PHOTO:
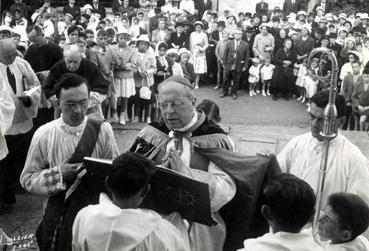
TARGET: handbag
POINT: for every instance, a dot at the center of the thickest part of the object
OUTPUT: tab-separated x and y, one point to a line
145	93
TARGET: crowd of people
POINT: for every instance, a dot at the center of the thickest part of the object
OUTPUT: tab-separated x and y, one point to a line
66	76
266	51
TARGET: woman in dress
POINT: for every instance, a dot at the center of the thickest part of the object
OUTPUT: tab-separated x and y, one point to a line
198	44
125	64
283	80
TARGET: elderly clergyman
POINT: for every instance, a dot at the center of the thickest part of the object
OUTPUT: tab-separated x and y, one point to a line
56	152
179	142
73	62
17	76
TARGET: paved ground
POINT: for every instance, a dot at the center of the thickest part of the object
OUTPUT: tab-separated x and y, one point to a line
255	123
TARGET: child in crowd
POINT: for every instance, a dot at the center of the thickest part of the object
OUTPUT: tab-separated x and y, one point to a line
266	73
219	53
300	81
101	55
187	67
289	205
310	85
360	102
254	77
211	109
343	221
125	64
144	80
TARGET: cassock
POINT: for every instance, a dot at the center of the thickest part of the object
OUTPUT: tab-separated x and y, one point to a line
123	229
234	181
347	168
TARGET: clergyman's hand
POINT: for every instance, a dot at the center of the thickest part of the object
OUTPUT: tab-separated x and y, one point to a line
176	162
69	171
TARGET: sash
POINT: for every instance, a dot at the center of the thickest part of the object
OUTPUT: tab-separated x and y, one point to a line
52	226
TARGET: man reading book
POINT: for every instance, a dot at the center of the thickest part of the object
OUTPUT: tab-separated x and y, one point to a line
121	225
178	142
54	158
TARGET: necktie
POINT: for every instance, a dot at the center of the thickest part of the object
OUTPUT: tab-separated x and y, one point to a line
11	79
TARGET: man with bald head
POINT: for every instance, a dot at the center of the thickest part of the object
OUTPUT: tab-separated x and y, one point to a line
73	62
19	79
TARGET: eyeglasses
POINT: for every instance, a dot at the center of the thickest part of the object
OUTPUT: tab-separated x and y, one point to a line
71	105
326	218
175	105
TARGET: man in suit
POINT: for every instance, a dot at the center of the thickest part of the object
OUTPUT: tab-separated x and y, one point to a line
98	8
123	6
236	58
261	8
73	9
160	34
325	4
202	5
292	6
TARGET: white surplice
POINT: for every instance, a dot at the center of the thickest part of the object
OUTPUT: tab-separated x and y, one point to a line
106	227
360	243
347	168
282	241
7	109
221	189
53	144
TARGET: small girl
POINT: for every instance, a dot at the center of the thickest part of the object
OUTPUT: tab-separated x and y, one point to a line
254	77
266	73
310	85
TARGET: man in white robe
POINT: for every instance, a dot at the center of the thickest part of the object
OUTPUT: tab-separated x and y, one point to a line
22	85
117	223
51	166
347	168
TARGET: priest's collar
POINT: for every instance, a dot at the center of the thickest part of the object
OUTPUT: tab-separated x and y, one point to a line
76	130
198	118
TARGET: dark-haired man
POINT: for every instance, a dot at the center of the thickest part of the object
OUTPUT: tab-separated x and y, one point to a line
122	226
347	169
56	151
289	205
350	216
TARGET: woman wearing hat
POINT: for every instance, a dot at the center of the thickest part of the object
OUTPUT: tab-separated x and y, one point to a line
198	45
178	39
347	67
125	65
350	45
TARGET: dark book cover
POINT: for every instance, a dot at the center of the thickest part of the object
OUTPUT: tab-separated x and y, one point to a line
170	192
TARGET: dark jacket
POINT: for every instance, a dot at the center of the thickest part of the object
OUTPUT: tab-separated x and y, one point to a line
289	7
43	58
100	10
239	56
328	6
87	69
201	7
181	41
262	8
75	11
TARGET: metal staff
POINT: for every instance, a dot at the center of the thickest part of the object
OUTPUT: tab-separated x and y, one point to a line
329	132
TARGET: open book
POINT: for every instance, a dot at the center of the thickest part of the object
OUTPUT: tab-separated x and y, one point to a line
170	192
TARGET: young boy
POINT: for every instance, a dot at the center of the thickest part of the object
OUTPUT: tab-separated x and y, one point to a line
101	55
345	218
254	77
266	73
116	223
289	205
